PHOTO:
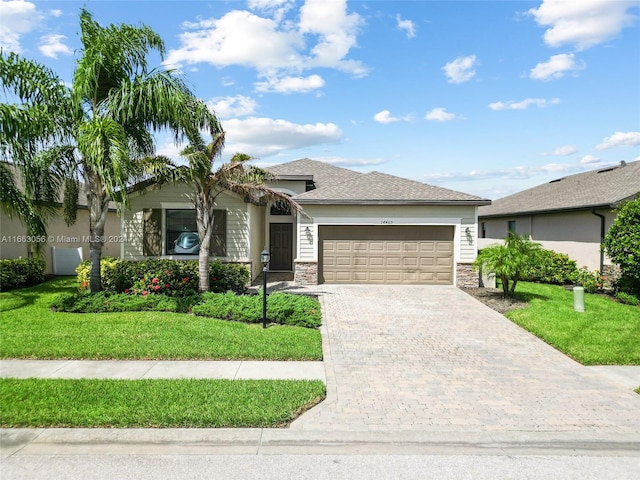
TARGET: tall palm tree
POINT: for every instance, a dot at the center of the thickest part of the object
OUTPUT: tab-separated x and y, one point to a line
234	176
107	115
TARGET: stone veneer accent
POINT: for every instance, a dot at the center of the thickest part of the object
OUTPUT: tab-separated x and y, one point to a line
610	275
466	276
306	273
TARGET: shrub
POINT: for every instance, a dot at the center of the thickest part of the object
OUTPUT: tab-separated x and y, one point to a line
282	308
628	298
21	272
622	243
590	281
163	276
105	302
552	267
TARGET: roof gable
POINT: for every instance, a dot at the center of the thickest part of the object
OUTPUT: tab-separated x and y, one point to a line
605	187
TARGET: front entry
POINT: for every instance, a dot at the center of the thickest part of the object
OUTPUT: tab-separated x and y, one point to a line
281	246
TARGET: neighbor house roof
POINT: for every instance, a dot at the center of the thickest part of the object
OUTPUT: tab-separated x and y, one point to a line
602	188
336	185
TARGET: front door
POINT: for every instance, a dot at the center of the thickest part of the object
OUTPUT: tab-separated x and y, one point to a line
281	242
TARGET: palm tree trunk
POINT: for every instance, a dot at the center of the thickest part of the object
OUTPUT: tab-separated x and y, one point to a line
204	221
98	207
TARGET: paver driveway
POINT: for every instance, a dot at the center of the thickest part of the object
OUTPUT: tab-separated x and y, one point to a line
432	358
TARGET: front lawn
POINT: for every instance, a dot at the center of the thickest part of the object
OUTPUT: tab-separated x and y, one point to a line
29	329
606	333
32	403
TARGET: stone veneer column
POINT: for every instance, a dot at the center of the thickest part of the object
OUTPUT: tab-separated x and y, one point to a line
467	276
306	273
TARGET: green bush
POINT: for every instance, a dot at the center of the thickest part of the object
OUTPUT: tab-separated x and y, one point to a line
163	276
590	281
628	298
105	302
552	267
21	271
282	308
622	243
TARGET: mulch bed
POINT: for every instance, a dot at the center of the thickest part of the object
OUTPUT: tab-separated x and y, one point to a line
493	298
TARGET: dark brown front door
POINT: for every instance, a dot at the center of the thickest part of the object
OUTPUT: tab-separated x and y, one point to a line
281	241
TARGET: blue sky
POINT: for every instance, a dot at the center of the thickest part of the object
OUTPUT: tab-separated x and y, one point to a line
484	97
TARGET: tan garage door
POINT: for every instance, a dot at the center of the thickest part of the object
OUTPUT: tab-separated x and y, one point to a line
386	254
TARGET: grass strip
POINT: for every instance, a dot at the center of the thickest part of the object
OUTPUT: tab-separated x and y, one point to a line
29	329
606	333
33	403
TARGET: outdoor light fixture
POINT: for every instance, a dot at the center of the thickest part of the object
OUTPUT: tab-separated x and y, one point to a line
264	258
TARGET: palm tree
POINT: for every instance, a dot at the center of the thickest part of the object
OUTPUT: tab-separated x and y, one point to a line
106	117
234	176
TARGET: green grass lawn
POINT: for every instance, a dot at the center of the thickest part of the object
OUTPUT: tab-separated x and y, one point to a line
606	333
29	329
155	403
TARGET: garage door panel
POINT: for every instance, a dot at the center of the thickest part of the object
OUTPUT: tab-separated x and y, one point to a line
386	254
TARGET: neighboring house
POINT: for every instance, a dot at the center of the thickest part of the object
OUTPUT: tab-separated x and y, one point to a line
569	215
354	228
66	246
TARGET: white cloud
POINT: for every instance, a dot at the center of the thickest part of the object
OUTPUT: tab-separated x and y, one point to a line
589	160
509	173
291	84
350	162
385	116
55	13
619	139
562	151
461	69
18	17
337	30
407	25
583	23
261	137
555	67
237	106
277	48
52	45
440	114
522	105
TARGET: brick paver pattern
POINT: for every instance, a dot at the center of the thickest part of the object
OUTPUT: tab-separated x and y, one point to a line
432	358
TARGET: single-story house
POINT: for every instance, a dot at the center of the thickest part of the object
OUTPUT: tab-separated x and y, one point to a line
66	246
569	215
354	228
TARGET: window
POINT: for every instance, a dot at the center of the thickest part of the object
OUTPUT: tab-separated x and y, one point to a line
483	229
182	233
280	208
511	226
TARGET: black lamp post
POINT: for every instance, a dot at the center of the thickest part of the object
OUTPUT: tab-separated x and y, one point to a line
264	258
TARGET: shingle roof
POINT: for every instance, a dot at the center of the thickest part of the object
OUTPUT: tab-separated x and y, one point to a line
381	188
323	173
605	187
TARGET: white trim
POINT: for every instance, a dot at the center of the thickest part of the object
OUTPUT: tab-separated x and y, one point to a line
338	221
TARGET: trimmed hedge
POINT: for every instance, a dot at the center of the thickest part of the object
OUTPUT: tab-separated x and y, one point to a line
162	276
105	302
282	308
21	272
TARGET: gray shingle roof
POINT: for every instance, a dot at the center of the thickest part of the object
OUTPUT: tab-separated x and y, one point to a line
337	185
605	187
323	173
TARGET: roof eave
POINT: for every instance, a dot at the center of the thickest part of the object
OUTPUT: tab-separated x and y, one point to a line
550	210
304	201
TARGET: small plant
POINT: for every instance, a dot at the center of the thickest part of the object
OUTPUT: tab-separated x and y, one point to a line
590	281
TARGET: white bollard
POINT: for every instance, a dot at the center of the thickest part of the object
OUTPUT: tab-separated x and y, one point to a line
578	299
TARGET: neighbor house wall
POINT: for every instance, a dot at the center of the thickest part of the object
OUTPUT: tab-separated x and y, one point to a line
576	234
59	235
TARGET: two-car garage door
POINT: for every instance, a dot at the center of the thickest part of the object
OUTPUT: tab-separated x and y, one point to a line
386	254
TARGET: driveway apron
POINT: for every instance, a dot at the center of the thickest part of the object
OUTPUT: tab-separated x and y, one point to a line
432	358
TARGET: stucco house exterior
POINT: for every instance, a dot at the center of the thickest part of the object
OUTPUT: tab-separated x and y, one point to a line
354	228
569	215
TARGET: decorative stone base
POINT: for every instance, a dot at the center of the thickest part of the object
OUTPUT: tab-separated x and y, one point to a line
610	275
466	276
306	273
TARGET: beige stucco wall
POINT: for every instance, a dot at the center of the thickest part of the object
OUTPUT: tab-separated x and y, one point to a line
177	197
576	234
463	218
60	236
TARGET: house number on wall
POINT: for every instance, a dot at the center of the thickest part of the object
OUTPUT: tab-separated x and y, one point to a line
386	222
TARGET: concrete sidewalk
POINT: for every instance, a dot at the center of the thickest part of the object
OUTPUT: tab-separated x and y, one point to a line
147	369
